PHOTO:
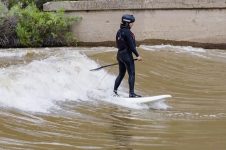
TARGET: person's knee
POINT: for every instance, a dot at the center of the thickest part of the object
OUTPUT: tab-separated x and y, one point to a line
121	74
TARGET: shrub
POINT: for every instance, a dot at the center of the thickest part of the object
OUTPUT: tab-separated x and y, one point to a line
8	37
7	28
22	3
3	9
36	28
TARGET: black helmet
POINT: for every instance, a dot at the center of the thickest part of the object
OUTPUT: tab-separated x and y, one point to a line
128	19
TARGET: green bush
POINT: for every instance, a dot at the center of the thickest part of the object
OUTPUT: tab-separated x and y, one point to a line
8	37
24	3
36	28
3	10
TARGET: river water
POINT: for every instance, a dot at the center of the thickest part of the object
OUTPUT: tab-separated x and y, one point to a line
50	100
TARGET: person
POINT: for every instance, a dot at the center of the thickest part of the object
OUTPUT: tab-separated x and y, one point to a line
126	45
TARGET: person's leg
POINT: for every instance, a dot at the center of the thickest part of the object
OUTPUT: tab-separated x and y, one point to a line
122	71
131	72
130	66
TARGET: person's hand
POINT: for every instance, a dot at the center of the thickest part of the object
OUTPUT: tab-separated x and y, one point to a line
139	58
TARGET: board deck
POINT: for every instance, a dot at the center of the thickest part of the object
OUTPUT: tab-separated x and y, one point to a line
141	100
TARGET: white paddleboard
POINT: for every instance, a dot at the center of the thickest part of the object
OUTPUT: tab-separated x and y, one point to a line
143	100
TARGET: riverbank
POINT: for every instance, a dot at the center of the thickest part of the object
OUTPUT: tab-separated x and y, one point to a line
182	22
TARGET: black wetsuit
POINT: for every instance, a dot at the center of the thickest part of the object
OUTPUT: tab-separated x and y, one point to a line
126	44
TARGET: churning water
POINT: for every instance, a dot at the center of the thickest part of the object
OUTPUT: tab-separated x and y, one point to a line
50	100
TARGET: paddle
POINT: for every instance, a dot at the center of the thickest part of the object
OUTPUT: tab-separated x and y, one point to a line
106	66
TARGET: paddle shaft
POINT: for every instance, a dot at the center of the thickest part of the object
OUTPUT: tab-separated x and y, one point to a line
106	66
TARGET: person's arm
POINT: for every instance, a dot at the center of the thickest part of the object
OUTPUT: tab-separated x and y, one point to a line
131	43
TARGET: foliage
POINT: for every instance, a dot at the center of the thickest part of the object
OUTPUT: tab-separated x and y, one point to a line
8	37
7	28
27	26
36	28
24	3
3	9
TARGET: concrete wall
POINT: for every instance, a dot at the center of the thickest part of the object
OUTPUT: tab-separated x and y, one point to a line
179	22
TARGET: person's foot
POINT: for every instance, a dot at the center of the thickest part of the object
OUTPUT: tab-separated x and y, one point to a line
115	93
133	95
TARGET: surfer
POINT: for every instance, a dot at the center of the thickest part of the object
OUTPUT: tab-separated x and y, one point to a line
126	45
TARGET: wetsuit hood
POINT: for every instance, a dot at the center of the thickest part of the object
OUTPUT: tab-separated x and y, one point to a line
124	26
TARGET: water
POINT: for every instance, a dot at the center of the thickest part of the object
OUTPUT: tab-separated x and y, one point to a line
50	100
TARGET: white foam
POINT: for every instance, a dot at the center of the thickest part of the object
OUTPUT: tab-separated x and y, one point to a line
37	85
63	76
177	49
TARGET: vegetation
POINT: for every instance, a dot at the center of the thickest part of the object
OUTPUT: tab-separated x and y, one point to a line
7	28
27	26
24	3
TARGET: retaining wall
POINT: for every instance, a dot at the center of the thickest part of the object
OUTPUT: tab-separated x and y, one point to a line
199	23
